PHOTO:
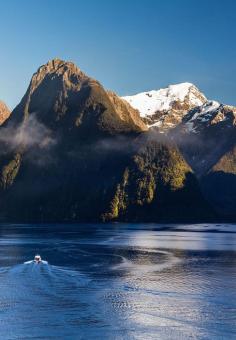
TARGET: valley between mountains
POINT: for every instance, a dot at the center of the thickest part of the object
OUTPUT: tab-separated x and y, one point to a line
71	151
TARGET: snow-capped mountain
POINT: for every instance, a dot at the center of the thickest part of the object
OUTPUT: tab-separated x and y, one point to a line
165	108
180	105
203	129
101	148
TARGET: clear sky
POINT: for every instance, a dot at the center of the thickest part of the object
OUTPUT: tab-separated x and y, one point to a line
128	45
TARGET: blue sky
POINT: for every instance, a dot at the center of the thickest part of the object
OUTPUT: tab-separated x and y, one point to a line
128	45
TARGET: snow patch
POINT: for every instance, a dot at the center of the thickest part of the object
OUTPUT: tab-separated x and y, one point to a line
148	103
203	114
209	107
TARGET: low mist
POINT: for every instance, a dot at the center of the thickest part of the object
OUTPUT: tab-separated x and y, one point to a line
31	136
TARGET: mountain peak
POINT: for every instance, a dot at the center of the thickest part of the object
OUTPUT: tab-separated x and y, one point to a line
166	107
54	64
164	99
65	98
181	90
151	102
57	68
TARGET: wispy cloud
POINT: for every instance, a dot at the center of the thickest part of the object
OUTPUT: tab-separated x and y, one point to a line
29	136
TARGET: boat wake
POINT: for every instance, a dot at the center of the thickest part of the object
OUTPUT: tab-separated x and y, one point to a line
152	261
30	279
32	261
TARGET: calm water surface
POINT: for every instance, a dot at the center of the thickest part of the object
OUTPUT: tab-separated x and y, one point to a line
119	281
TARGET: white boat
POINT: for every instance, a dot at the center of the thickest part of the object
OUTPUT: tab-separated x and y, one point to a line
37	259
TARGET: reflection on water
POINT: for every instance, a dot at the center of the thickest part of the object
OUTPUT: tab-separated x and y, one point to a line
118	281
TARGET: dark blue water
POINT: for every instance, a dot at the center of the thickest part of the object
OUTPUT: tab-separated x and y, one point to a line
119	281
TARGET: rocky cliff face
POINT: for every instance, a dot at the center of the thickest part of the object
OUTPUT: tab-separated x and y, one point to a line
80	153
65	99
208	115
4	112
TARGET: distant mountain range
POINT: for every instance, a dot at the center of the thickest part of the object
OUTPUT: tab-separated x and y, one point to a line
72	151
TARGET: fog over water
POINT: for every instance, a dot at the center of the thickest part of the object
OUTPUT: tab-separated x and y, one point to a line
117	281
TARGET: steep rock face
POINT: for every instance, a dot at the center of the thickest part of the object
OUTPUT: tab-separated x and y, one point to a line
4	112
64	98
122	107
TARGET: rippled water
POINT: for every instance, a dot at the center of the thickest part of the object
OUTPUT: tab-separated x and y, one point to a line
120	281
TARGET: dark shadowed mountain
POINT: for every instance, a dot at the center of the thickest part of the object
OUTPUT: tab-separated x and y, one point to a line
219	185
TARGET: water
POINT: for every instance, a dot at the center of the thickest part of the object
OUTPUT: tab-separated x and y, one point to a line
120	281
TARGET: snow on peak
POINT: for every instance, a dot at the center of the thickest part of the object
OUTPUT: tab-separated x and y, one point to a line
210	106
178	91
148	103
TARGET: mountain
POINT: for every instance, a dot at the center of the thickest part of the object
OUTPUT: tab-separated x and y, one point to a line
185	114
205	132
181	104
76	152
157	185
65	99
4	112
209	114
165	108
